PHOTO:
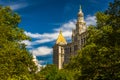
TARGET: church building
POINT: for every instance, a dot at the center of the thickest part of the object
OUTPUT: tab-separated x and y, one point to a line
62	51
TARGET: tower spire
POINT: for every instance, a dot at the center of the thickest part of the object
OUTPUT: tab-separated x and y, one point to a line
80	21
80	10
80	15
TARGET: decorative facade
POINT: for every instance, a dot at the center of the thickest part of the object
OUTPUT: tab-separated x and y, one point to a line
62	51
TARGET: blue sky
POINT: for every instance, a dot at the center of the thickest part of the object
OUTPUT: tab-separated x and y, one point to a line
42	20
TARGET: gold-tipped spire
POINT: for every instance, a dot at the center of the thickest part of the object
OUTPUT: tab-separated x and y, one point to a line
61	39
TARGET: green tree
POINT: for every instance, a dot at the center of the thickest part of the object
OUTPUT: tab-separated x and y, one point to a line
100	58
15	60
51	72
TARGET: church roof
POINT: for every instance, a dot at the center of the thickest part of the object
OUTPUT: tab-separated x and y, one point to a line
61	39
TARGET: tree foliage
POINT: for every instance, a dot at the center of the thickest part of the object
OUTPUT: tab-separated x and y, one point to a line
15	60
51	72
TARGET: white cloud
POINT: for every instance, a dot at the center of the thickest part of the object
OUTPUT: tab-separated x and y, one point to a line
90	20
41	61
18	6
28	43
33	35
67	26
49	37
15	5
41	51
41	38
43	41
